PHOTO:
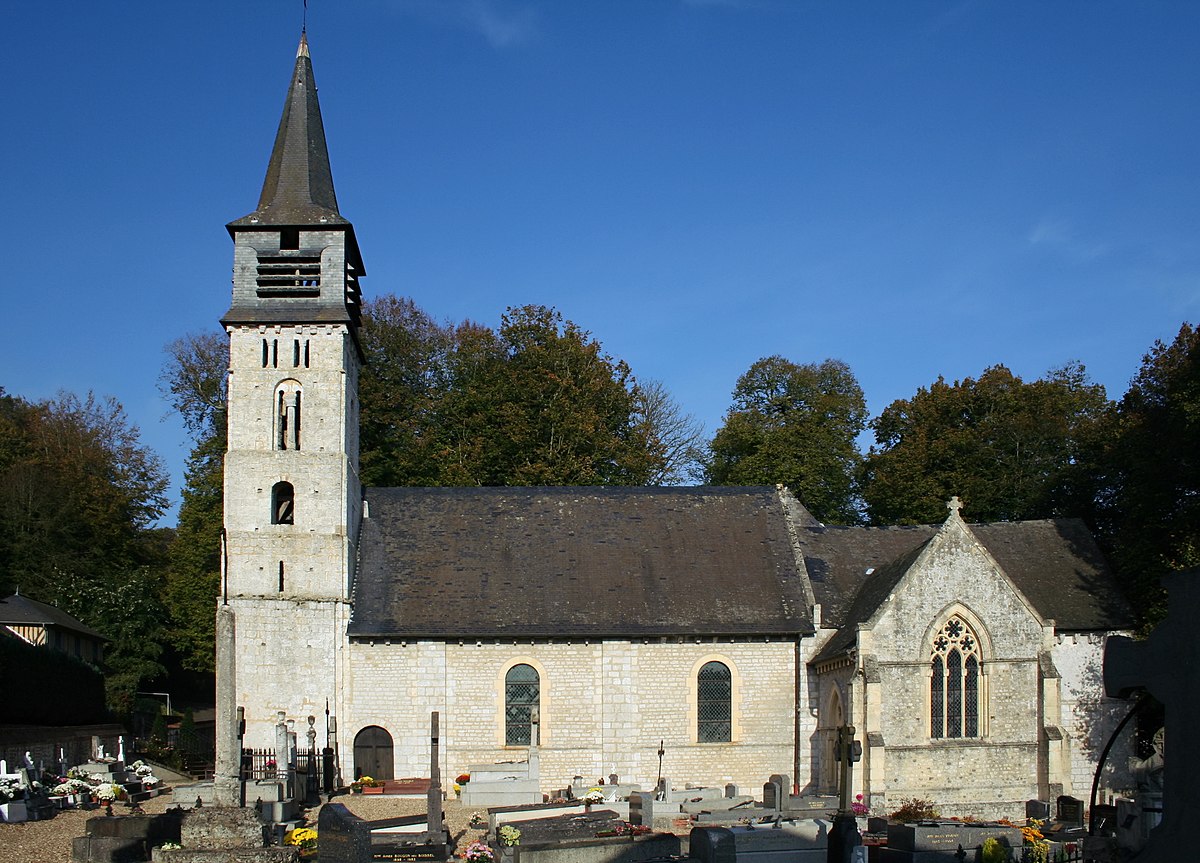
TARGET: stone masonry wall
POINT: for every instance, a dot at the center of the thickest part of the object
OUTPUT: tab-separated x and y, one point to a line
604	708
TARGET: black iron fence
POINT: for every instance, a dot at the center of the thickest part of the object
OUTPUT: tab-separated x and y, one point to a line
315	769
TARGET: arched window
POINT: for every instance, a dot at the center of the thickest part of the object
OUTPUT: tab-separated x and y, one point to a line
283	501
714	703
522	689
954	695
287	415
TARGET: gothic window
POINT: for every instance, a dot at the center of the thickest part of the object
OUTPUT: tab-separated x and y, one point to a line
287	415
954	698
714	703
283	501
522	688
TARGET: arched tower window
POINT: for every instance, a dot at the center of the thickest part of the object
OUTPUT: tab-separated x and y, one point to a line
714	703
522	688
954	690
283	501
287	415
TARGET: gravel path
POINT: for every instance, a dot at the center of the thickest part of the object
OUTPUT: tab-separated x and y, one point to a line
50	841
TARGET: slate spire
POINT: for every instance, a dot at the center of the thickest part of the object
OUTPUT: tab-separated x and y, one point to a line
298	189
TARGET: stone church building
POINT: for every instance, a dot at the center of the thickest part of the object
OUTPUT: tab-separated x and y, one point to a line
725	623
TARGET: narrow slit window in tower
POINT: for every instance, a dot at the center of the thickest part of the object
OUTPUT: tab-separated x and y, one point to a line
281	576
306	353
275	353
266	353
295	353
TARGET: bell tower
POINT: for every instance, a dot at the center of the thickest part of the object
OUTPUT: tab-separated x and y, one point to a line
293	500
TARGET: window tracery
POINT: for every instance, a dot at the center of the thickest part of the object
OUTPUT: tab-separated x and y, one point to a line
954	691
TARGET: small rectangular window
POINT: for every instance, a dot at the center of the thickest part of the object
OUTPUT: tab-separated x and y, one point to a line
295	353
266	353
281	576
289	239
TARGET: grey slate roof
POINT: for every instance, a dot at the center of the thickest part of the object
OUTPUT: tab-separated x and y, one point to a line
579	562
298	189
20	610
1055	563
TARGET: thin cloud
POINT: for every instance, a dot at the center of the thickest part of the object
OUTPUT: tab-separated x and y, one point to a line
1059	236
503	23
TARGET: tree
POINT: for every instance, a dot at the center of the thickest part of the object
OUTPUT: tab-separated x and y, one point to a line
794	424
1149	492
1011	450
536	402
78	495
194	380
542	404
675	436
401	389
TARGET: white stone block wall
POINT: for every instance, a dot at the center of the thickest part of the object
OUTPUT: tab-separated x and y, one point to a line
605	706
1089	717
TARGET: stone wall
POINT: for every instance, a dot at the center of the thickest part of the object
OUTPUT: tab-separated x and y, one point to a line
1089	717
604	707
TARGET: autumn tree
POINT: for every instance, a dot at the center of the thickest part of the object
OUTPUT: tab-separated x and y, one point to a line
79	493
535	402
401	392
193	380
675	436
1149	490
1011	450
794	424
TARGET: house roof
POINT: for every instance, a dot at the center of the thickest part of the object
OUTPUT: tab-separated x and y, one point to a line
1055	563
17	610
579	562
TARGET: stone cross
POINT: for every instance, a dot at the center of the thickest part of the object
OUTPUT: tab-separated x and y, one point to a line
433	816
1167	665
954	505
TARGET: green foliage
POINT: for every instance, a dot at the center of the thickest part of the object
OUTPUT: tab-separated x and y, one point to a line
1149	489
194	382
794	424
536	402
1011	450
158	731
40	686
189	741
915	809
78	492
993	851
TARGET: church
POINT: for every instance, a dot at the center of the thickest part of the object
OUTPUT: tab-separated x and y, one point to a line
725	626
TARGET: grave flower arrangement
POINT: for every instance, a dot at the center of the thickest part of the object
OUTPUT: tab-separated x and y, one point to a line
107	792
593	796
858	807
304	838
365	782
509	836
10	790
477	852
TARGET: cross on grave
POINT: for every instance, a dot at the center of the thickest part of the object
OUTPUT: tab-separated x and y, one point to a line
1167	665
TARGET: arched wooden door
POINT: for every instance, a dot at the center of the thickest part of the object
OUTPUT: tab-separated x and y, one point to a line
373	753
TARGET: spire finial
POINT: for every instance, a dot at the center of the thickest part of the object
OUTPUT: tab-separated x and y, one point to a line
304	19
954	505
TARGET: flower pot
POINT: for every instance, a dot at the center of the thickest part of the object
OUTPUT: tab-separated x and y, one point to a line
372	789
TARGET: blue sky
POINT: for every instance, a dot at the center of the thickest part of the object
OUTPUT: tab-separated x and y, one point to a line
917	188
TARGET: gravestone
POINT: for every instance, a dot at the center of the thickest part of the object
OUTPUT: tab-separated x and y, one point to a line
772	795
342	837
1038	809
1068	812
641	809
731	790
1167	665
